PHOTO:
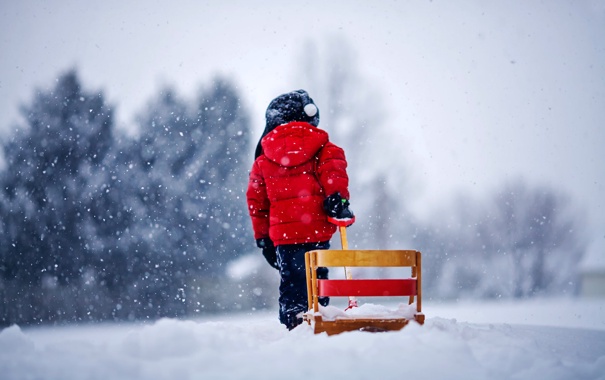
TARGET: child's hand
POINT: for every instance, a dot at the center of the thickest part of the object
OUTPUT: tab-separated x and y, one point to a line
337	207
269	251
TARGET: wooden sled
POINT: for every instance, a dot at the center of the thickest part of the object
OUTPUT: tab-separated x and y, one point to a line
406	287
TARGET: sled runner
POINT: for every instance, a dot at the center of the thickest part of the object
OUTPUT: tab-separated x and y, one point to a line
352	288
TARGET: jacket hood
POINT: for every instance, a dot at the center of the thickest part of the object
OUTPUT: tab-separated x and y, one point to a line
294	143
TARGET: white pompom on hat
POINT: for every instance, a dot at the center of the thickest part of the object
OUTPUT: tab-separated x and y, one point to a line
311	109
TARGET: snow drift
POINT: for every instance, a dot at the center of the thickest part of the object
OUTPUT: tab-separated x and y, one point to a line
255	346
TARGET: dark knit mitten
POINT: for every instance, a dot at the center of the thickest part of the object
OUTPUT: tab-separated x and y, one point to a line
269	251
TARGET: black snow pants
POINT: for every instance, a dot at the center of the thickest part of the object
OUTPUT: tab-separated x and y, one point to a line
293	285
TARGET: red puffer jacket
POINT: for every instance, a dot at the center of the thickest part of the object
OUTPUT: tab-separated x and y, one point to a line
289	182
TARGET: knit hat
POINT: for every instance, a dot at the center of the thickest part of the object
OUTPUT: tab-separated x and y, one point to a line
286	108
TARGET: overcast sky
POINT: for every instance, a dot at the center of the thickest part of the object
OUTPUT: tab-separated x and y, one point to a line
477	92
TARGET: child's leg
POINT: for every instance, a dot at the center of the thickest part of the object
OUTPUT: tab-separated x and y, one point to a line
322	274
293	285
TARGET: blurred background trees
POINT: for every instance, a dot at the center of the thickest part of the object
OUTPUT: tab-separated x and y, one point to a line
522	241
99	225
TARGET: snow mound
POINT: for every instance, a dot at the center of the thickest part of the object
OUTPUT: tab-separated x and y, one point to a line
256	346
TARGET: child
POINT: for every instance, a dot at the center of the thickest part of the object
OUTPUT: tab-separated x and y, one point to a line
298	179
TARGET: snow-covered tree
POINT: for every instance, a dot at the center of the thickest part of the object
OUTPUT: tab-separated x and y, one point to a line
98	225
540	232
50	163
182	182
52	180
224	159
522	241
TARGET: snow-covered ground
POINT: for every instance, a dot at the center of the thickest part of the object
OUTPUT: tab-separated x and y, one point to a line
539	339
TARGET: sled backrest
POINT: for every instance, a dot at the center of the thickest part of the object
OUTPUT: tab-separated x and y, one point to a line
410	287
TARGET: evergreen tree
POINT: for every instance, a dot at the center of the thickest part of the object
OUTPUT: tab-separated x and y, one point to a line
96	225
183	181
50	165
151	178
224	161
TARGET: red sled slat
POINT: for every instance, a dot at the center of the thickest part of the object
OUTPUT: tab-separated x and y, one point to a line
367	288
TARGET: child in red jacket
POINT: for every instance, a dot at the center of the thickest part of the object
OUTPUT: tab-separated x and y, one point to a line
298	179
